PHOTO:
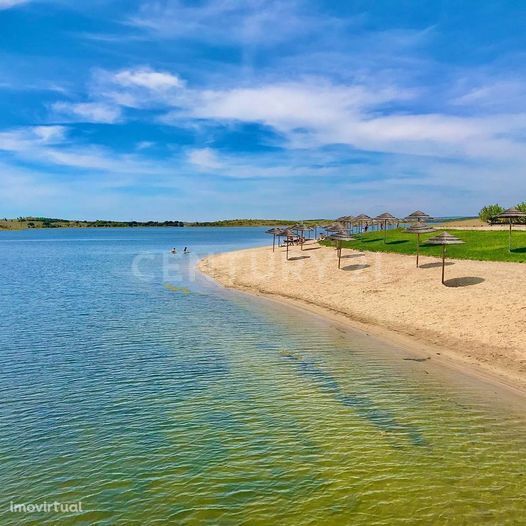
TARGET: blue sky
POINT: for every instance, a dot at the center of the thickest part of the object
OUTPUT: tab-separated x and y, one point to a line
218	109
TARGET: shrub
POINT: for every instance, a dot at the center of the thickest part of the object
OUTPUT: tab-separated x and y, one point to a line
522	208
489	212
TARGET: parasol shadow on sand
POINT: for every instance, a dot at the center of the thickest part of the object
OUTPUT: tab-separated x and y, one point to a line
357	266
467	281
436	265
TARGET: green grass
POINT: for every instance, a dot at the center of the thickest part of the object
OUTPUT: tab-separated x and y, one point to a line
481	245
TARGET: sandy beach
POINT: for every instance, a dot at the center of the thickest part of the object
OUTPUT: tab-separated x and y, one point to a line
477	321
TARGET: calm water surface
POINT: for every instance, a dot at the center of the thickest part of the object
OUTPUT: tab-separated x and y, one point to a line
155	397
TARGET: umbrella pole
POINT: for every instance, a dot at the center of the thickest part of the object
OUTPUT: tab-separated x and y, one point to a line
443	262
273	242
287	243
417	248
385	232
509	244
339	254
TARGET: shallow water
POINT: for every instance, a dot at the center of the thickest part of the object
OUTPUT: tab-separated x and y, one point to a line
155	397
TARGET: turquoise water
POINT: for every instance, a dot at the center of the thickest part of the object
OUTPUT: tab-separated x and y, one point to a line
154	397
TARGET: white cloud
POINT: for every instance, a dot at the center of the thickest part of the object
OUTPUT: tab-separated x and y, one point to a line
493	94
140	87
261	22
316	114
204	158
88	112
6	4
310	113
50	146
24	139
148	79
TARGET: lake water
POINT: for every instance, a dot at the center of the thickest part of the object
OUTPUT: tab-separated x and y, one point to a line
155	397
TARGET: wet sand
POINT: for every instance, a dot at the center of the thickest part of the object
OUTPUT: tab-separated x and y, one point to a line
477	321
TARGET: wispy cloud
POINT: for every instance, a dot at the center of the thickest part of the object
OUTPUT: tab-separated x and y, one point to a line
262	22
143	77
97	112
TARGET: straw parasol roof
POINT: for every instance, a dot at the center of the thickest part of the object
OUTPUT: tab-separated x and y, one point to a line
513	215
445	238
339	237
335	227
418	216
386	216
362	217
420	228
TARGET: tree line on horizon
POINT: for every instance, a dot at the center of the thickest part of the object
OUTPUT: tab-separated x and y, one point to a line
52	222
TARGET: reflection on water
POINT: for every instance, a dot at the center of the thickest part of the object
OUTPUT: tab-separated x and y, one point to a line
155	401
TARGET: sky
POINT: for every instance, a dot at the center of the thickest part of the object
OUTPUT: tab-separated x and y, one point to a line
204	110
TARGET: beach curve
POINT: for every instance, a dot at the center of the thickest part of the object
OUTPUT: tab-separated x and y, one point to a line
477	323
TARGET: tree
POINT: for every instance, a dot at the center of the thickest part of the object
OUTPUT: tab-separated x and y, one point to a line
488	212
522	208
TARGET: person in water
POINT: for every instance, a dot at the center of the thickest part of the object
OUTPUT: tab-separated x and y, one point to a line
174	251
186	251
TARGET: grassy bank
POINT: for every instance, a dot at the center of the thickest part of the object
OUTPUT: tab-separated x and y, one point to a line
479	245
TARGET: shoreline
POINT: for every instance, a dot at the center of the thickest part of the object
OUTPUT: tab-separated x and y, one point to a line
489	369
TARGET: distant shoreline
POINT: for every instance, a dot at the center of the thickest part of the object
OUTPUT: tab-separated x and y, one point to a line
36	223
31	223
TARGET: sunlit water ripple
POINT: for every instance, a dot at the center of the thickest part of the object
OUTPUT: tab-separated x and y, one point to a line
155	405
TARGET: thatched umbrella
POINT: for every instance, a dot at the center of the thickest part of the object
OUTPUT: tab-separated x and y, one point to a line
419	228
362	219
275	232
339	237
300	228
288	235
444	239
386	218
418	216
346	221
513	215
335	227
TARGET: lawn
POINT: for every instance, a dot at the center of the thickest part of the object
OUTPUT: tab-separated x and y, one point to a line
479	245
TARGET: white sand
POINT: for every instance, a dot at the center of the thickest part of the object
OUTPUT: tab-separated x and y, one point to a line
482	322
